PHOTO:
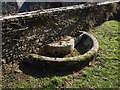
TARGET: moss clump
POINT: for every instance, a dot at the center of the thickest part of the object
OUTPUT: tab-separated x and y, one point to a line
82	58
73	53
35	56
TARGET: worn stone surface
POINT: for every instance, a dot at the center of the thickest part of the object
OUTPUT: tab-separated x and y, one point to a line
28	32
61	47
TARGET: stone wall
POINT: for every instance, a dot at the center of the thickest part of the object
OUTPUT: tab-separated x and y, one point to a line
28	32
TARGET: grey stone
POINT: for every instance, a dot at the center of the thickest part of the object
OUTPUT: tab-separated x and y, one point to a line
61	47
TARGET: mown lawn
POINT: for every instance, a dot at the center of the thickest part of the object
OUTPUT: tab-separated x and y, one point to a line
101	73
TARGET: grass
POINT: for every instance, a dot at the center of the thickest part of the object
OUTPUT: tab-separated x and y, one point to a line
101	73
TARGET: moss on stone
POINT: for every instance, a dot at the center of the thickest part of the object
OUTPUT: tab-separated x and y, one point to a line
35	56
73	53
82	58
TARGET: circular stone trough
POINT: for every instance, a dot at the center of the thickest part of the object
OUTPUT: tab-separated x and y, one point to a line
85	43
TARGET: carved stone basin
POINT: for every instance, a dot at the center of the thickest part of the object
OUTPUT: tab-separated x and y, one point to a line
85	44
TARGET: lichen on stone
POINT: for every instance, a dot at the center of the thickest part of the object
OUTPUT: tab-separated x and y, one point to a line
73	53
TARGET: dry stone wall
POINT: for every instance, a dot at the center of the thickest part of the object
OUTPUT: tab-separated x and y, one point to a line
28	32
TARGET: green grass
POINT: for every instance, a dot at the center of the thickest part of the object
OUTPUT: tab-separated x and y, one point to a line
102	73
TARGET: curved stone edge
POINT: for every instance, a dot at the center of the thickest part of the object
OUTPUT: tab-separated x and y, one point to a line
91	54
47	12
38	12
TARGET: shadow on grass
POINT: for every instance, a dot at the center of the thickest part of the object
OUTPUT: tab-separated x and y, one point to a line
45	68
49	69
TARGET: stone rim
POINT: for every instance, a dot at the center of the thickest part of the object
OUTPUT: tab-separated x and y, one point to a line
89	54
